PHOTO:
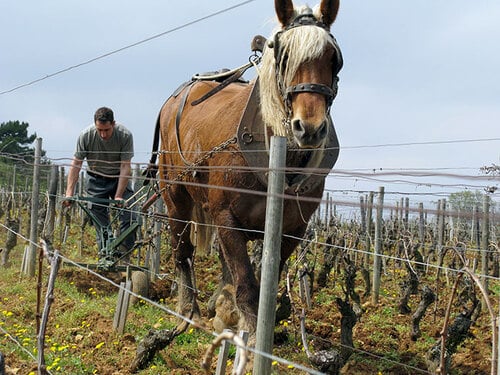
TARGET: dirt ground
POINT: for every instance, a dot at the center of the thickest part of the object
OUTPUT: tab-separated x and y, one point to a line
375	341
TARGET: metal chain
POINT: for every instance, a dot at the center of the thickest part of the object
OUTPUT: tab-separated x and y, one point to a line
200	160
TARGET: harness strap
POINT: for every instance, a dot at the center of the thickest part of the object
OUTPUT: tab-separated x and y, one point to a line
232	78
152	169
178	116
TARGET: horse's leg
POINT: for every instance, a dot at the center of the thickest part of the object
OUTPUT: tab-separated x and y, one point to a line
179	208
224	280
234	248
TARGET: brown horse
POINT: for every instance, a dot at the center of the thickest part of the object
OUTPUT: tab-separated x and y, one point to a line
202	166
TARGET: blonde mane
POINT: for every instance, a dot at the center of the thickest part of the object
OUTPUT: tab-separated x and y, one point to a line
298	45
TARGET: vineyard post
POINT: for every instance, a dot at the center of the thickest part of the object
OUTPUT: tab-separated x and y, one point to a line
81	215
155	257
59	219
362	207
407	212
333	209
270	256
456	225
81	189
475	235
421	223
440	229
136	173
485	240
61	181
368	233
327	203
378	246
31	253
401	211
51	209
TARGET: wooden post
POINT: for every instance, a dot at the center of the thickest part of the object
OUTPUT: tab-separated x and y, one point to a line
237	357
440	228
54	263
155	256
368	233
62	192
485	239
327	210
224	352
31	255
122	304
377	260
136	174
407	212
362	207
270	256
51	208
421	224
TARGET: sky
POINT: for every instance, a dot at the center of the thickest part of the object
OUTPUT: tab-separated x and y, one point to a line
419	92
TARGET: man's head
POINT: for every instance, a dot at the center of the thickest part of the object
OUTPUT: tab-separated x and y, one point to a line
104	121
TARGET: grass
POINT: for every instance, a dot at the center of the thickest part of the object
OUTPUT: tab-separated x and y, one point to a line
80	339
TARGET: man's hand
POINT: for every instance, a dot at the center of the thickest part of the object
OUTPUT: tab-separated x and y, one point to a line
119	202
67	202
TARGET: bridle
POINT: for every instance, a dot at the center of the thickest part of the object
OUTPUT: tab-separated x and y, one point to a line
330	92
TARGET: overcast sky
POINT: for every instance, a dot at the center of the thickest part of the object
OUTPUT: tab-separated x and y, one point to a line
417	76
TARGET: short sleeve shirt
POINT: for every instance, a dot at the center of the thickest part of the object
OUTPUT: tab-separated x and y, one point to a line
105	156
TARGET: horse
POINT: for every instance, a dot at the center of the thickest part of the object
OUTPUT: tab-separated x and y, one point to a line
205	175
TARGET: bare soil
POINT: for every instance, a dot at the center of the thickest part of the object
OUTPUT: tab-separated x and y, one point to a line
381	338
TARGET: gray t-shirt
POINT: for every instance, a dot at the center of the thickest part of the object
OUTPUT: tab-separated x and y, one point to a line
105	156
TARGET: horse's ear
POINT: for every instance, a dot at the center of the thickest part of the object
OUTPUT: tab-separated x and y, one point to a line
329	10
284	11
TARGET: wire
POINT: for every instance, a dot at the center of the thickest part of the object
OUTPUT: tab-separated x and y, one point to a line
422	143
345	248
126	47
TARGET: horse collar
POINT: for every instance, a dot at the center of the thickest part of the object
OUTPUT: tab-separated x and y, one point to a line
251	135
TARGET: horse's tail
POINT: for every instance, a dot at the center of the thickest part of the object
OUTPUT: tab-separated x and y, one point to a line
152	168
202	234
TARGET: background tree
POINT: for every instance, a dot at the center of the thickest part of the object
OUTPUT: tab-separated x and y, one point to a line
15	143
465	201
17	155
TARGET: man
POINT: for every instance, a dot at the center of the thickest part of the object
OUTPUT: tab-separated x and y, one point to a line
108	148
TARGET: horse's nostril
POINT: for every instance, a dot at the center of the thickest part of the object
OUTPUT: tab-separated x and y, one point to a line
323	130
297	127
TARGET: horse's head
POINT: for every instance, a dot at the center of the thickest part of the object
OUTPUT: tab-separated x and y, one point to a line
298	77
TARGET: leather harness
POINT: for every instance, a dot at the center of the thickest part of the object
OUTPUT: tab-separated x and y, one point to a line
251	136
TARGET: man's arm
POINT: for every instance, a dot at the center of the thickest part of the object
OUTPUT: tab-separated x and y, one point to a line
125	173
74	173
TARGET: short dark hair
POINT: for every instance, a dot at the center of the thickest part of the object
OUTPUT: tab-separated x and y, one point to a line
104	114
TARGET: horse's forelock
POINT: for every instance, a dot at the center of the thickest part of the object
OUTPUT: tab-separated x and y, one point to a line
299	44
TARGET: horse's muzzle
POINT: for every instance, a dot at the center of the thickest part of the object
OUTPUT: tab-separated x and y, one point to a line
308	135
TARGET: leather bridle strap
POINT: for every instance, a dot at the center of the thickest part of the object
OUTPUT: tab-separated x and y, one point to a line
317	88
